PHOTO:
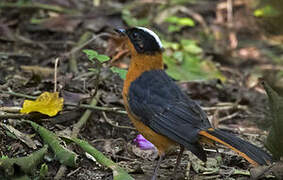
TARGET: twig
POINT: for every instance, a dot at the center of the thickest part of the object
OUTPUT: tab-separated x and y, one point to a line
109	109
37	6
84	75
225	104
113	124
196	16
212	177
80	45
86	106
258	172
14	116
19	95
271	67
73	172
188	168
230	13
78	48
225	107
25	138
77	127
30	42
12	54
73	57
220	106
228	117
55	74
60	173
125	158
119	55
10	109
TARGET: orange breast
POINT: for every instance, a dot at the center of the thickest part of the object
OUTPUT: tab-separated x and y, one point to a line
162	143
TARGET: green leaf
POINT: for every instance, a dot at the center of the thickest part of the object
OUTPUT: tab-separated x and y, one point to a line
172	19
4	157
186	22
181	21
185	62
26	164
91	54
93	69
174	28
172	45
122	72
191	46
64	155
102	58
118	172
43	170
267	11
274	141
179	56
191	68
132	21
181	2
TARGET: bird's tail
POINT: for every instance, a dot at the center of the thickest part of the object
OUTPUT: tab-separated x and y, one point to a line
250	152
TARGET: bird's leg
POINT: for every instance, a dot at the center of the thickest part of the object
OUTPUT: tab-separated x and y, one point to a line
157	167
178	160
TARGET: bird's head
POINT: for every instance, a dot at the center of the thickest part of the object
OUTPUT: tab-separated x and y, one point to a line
142	40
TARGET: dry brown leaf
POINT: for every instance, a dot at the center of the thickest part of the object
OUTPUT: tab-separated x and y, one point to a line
41	71
62	23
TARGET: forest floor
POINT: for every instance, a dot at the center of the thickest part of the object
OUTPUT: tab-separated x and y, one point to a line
28	49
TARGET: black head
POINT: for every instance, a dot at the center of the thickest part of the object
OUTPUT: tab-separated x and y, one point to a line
144	40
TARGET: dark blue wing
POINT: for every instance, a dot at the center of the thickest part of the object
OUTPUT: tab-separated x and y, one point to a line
161	105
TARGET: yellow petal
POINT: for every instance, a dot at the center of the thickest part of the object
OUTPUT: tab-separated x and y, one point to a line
47	103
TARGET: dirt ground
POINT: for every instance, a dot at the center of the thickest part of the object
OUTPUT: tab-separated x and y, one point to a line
26	46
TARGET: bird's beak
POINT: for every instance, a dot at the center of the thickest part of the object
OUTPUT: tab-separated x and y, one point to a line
121	32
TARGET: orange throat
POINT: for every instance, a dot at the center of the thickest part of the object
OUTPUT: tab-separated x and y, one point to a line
139	64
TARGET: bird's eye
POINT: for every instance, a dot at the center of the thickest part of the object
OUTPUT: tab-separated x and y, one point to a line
135	35
137	40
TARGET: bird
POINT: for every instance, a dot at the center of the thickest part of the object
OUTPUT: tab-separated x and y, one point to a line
165	115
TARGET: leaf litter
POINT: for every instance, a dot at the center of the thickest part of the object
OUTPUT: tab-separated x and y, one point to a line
41	43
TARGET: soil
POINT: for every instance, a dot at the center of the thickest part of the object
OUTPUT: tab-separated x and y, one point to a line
38	45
